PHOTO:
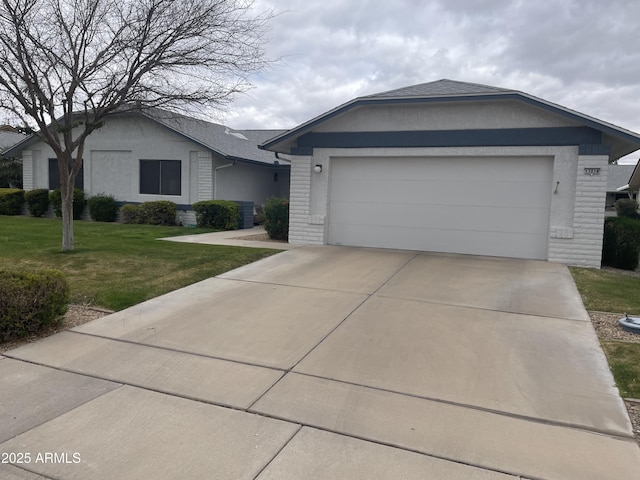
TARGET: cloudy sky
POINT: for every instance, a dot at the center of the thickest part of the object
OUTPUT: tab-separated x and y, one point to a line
582	54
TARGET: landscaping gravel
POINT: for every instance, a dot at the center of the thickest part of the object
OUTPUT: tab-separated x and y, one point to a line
607	328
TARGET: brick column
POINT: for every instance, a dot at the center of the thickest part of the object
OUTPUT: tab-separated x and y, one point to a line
303	228
205	176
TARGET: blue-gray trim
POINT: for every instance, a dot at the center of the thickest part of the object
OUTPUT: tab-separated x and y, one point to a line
517	96
594	149
560	136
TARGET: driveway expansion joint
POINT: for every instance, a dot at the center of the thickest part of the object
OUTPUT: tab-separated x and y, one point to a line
542	421
396	446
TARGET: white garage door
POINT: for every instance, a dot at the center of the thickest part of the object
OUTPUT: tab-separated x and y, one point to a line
484	206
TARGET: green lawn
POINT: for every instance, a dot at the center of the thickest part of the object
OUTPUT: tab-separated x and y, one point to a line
624	360
115	266
607	291
615	292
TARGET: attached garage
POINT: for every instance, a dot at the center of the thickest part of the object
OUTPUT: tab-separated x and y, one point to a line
495	206
454	167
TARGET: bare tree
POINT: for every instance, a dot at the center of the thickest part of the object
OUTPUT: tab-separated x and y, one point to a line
66	65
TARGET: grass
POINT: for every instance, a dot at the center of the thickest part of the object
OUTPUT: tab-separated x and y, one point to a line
615	292
624	360
115	266
607	291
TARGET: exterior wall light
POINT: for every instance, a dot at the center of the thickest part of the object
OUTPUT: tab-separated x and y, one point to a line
317	168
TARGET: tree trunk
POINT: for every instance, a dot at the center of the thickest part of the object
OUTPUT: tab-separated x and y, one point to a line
67	216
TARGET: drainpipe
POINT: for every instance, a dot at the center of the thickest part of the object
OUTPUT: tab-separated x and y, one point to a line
215	176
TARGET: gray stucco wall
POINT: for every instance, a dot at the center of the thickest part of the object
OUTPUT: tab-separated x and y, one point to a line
111	165
449	116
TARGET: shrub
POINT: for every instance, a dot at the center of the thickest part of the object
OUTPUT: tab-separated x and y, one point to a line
37	201
11	201
103	208
276	218
131	214
55	197
218	214
161	212
31	302
627	208
621	243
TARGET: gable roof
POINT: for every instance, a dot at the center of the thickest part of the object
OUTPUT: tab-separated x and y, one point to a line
634	181
232	144
240	145
9	139
618	176
622	141
438	88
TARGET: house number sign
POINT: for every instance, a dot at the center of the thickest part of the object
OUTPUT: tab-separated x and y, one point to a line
592	171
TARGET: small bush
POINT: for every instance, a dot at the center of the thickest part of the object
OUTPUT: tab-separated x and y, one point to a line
161	212
621	243
131	214
218	214
103	208
276	215
627	208
11	201
31	302
55	198
37	201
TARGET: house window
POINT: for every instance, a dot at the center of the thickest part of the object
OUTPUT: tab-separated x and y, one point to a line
161	177
54	176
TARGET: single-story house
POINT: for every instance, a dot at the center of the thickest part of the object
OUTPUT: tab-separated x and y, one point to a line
454	167
147	155
634	183
10	175
617	179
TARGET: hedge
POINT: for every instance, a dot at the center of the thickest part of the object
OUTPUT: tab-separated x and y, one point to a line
11	201
276	218
621	243
103	208
161	212
55	197
37	201
627	208
218	214
31	302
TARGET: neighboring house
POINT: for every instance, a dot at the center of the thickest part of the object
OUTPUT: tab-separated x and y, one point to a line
454	167
634	183
158	155
618	178
10	170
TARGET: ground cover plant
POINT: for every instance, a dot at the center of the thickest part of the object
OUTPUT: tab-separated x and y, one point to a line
115	266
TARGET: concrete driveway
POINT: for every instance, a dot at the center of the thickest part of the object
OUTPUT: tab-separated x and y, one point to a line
325	363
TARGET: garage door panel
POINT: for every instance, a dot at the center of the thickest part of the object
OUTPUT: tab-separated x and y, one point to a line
459	218
476	243
488	206
441	193
458	193
441	169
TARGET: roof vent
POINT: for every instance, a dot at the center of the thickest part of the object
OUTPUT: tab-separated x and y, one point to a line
235	134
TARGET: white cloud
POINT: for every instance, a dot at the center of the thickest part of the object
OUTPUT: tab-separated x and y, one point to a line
577	53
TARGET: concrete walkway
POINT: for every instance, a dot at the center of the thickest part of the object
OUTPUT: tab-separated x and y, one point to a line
325	363
237	238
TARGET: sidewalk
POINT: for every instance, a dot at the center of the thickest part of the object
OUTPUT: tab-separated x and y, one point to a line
236	238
